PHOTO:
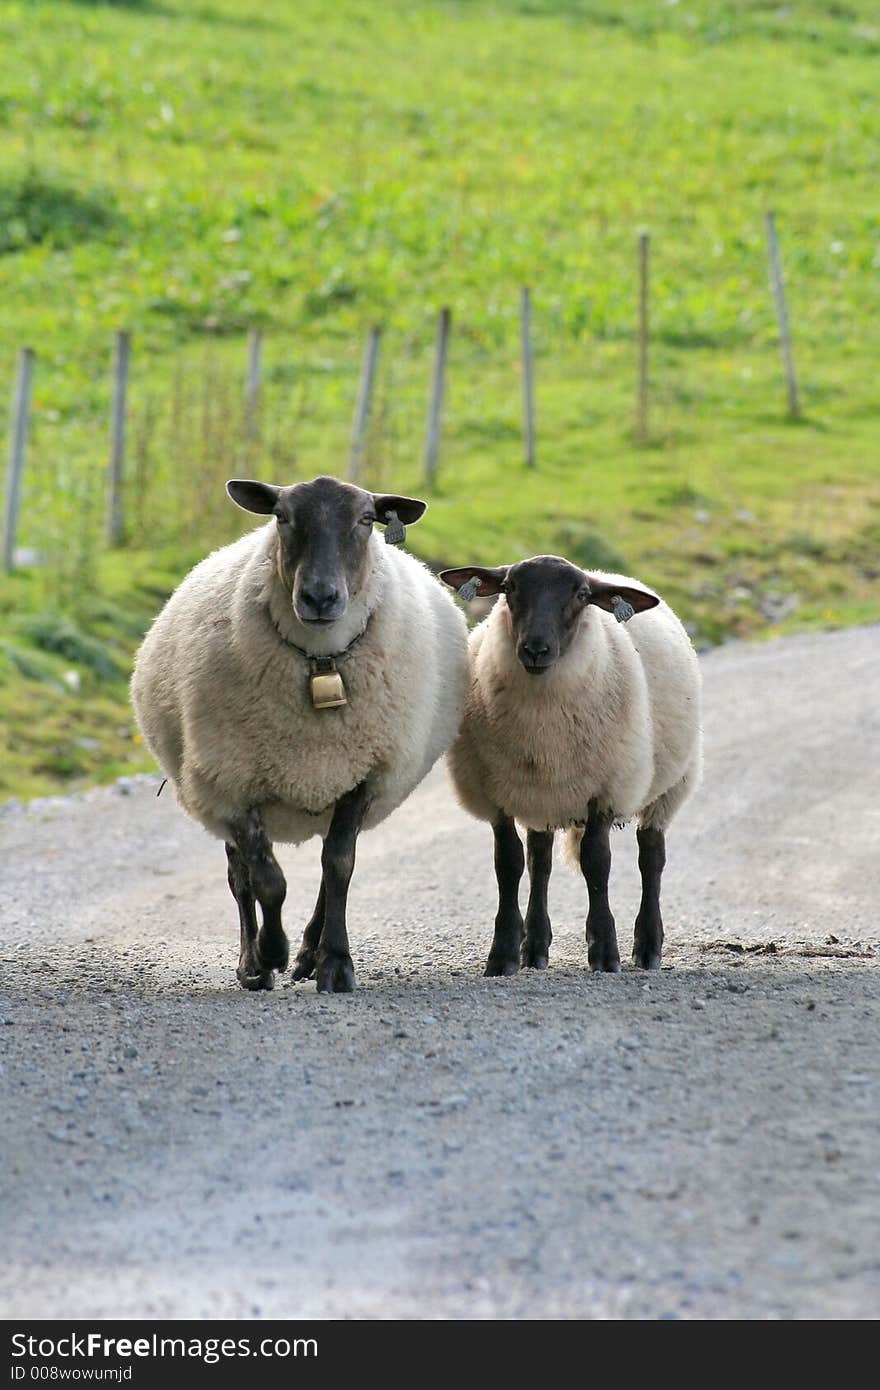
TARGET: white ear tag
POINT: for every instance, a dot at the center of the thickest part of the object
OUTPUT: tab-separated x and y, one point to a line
395	531
622	610
469	589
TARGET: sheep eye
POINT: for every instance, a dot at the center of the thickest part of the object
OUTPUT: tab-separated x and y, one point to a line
583	594
367	520
283	520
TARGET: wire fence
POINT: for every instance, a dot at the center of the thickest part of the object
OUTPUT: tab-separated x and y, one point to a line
80	482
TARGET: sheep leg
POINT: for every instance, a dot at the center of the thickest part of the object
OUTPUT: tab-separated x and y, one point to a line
602	952
648	941
250	971
304	965
535	949
269	951
333	964
509	865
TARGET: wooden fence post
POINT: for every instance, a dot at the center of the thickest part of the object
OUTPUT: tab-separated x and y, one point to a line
115	510
363	404
528	378
18	434
253	383
435	405
777	281
642	401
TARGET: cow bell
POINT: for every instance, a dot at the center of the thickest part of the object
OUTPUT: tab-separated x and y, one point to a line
328	690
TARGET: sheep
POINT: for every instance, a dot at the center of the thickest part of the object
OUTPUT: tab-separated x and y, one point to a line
579	719
301	681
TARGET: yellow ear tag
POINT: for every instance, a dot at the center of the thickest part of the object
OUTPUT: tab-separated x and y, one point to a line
328	691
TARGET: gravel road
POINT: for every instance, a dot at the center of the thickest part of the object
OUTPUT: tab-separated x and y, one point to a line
702	1142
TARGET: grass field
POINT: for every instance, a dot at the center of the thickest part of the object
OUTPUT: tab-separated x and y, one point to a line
191	170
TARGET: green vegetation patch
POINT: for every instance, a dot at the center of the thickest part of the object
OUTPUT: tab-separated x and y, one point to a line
39	211
190	172
59	634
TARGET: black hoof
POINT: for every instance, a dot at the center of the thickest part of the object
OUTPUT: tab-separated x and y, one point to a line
646	958
538	961
335	975
274	951
603	953
648	941
263	979
534	955
304	964
607	962
498	965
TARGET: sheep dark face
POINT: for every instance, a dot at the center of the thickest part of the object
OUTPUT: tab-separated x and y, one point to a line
323	530
545	599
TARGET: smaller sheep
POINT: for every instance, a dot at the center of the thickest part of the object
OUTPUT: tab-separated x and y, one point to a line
302	682
583	712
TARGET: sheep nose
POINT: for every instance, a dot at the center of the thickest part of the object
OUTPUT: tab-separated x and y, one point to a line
535	650
319	602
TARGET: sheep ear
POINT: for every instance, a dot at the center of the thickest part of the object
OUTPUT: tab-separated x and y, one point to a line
482	583
611	597
253	497
408	509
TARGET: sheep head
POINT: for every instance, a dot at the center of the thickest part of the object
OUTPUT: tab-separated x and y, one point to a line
545	599
323	532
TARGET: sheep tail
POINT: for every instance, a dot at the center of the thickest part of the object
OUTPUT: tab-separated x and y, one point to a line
571	842
571	847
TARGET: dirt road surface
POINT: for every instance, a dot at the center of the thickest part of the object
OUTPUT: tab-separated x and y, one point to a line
702	1142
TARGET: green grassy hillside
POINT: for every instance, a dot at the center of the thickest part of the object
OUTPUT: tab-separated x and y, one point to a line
192	170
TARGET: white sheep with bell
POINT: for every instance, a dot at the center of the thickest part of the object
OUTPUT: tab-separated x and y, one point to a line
302	682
